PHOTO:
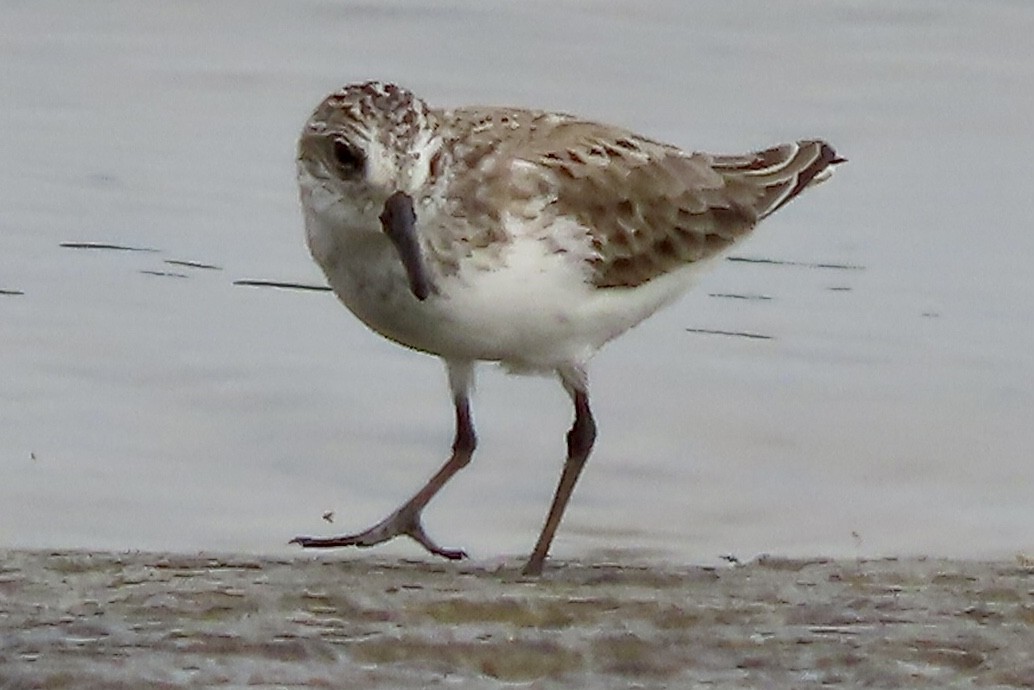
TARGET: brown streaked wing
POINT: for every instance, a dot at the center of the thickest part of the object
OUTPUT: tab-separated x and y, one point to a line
780	173
651	208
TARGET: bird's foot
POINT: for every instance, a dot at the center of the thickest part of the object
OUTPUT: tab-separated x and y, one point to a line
533	568
403	522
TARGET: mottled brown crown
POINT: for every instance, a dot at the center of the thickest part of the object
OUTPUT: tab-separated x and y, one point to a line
373	110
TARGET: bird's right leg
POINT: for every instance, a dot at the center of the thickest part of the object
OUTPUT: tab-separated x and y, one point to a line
406	520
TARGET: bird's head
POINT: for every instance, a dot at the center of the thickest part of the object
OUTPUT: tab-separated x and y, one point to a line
363	144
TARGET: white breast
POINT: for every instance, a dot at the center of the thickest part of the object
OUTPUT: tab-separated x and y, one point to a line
532	309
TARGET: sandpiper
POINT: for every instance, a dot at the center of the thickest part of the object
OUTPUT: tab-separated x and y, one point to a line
516	236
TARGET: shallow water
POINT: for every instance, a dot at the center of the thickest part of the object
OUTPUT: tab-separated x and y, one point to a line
148	401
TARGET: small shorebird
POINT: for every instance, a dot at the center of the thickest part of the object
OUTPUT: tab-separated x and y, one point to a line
516	236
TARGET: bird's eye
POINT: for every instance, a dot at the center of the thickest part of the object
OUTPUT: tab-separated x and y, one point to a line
350	158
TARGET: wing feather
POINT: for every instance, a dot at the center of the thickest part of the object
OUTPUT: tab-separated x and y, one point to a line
656	208
649	207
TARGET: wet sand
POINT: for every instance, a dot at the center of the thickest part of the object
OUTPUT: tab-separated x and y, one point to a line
154	620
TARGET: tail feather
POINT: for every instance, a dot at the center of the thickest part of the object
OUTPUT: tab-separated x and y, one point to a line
779	174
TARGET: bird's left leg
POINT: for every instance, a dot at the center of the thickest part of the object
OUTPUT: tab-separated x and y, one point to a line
406	520
580	440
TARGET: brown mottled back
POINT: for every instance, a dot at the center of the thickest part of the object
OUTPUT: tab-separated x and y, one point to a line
649	207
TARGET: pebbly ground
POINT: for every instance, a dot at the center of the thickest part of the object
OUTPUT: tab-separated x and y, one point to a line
151	620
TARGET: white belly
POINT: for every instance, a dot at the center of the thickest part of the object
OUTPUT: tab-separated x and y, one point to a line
534	311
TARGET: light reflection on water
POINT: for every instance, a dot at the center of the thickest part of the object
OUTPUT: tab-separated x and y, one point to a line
146	401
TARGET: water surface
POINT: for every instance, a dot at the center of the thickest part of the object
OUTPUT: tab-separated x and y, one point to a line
149	402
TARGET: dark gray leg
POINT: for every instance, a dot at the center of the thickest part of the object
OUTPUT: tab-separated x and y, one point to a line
406	520
579	444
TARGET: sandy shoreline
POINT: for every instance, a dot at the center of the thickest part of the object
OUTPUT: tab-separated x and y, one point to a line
149	620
